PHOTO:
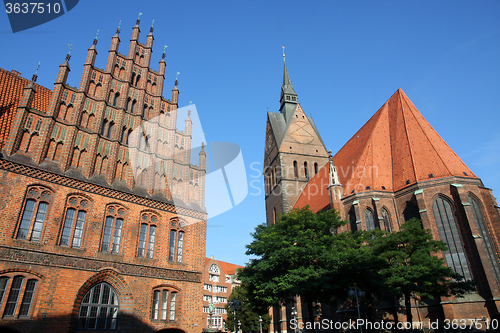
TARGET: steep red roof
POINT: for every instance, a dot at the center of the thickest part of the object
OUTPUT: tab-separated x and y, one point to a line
11	91
315	194
397	147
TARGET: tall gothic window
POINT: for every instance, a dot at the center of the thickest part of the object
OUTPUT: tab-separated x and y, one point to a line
295	170
353	219
99	308
449	233
306	171
369	222
483	232
176	246
74	222
111	237
385	219
34	214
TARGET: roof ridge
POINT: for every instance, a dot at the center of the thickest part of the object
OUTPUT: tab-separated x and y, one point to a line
401	97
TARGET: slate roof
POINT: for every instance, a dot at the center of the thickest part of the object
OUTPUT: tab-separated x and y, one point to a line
396	148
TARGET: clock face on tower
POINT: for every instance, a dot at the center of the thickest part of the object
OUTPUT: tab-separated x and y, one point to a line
301	132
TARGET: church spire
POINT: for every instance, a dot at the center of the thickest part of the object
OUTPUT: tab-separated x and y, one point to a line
288	99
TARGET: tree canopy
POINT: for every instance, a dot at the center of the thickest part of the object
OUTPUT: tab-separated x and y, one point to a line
304	255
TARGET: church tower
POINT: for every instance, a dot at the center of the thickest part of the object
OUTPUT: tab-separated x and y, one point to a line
294	152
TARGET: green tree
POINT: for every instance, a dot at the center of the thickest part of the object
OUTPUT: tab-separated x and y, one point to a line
411	270
248	315
302	255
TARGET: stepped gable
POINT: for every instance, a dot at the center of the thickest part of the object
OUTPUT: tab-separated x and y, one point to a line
11	90
397	147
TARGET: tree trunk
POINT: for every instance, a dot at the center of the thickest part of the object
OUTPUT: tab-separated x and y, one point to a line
310	310
409	317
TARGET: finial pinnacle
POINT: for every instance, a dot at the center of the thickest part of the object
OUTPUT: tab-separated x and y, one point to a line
95	39
203	145
177	76
138	18
70	47
283	53
35	76
152	23
189	112
119	25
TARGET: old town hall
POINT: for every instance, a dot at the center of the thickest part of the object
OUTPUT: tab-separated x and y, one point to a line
103	219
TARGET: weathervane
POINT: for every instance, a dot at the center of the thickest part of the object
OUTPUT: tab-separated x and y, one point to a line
119	25
37	68
139	17
70	47
164	48
283	53
97	34
177	75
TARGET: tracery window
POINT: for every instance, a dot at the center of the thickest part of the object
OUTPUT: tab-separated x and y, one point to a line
34	213
113	229
99	308
456	257
385	219
147	236
74	222
483	232
369	222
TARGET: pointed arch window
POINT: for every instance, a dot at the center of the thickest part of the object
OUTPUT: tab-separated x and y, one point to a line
127	105
369	222
315	168
449	232
104	127
74	222
109	132
352	219
386	221
483	232
115	100
295	170
99	308
306	171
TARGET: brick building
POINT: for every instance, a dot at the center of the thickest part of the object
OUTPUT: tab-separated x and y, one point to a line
103	223
219	279
394	168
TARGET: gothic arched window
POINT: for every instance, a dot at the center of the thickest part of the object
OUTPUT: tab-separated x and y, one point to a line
483	232
74	222
369	222
450	234
385	219
99	308
295	170
147	236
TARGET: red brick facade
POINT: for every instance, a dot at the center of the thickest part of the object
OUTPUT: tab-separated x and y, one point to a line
103	220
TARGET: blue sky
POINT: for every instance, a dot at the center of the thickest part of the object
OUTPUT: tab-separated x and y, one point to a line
345	59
